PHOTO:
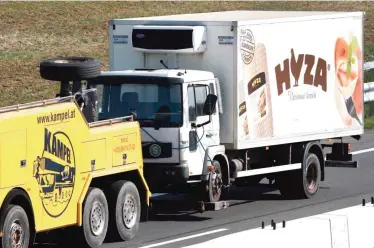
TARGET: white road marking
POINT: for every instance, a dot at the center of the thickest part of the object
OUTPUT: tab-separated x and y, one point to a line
362	151
184	238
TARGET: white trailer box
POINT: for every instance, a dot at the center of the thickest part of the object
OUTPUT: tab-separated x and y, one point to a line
284	75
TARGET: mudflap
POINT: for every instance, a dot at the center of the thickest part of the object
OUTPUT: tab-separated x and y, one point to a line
144	215
340	156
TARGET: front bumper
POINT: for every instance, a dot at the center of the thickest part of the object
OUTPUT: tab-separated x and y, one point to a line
162	176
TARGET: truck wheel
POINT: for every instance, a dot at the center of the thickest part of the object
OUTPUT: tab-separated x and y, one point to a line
70	68
306	182
311	176
95	218
16	228
124	210
215	183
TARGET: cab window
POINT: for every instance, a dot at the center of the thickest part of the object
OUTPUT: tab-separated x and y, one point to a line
196	99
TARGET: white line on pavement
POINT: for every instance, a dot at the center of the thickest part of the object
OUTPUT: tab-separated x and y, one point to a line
184	238
362	151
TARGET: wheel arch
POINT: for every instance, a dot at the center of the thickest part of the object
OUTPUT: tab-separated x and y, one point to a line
18	196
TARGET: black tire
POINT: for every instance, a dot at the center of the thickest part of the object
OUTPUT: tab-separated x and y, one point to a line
95	200
305	183
119	193
214	184
15	222
70	68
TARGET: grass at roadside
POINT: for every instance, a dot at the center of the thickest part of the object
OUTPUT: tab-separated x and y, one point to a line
369	122
32	31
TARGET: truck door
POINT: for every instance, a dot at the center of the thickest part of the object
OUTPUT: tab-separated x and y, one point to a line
207	135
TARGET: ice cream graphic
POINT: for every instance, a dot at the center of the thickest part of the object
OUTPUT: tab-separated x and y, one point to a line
348	68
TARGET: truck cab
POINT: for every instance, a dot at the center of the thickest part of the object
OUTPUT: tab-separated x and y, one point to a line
178	111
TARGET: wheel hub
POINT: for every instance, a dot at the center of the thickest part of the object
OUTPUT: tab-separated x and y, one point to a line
16	235
129	211
311	177
216	183
97	218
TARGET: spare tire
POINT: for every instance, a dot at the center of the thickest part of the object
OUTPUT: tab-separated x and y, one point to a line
70	68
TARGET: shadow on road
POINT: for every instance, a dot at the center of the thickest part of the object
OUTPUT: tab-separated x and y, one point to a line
185	208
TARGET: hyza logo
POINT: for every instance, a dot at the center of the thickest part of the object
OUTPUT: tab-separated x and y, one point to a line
294	66
55	172
247	45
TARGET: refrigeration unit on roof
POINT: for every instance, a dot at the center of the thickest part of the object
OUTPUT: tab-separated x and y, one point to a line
169	39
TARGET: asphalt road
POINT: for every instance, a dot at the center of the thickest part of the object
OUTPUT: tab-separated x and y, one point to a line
174	227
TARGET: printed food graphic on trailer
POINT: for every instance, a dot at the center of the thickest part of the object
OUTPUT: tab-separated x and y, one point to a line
304	86
257	88
348	70
244	120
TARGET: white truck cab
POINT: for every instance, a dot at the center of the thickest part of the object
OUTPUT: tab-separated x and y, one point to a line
180	137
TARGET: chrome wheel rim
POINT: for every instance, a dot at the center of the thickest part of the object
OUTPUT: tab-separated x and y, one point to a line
17	235
97	218
129	211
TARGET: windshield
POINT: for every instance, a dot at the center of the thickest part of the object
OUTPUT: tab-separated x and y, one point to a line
152	103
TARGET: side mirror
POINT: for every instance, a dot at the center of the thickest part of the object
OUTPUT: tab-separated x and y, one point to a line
210	104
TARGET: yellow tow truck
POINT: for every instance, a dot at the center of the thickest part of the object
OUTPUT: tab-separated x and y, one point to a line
61	168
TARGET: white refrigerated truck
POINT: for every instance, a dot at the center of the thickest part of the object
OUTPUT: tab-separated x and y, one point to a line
233	97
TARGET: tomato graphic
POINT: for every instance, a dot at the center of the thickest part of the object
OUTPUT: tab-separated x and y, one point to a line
348	67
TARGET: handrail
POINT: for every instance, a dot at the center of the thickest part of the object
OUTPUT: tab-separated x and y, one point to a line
36	104
111	121
41	103
368	65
